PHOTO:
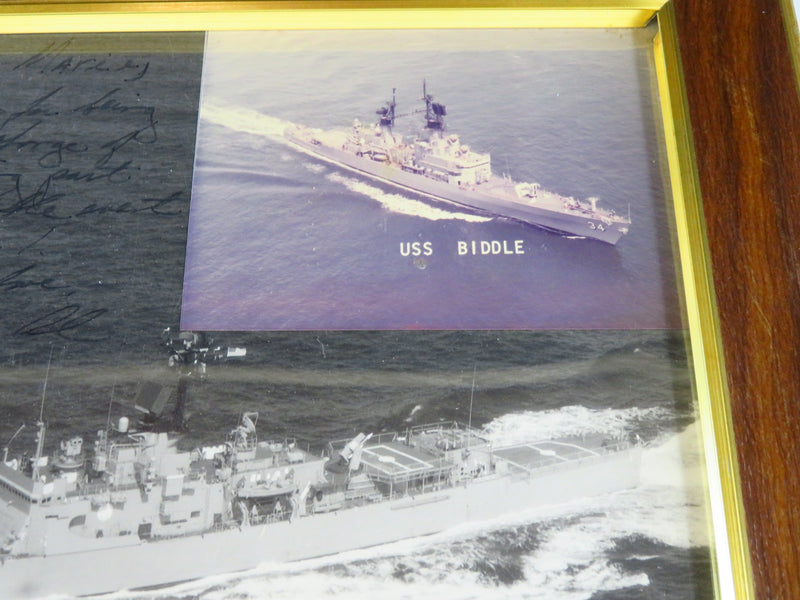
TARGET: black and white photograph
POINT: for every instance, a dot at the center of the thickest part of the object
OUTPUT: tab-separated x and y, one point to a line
153	450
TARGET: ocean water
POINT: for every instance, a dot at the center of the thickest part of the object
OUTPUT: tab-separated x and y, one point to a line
649	542
280	240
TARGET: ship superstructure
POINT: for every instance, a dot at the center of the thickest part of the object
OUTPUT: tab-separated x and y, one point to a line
437	164
141	512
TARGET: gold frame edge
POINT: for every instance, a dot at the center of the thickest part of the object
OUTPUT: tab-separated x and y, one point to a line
122	16
791	22
734	569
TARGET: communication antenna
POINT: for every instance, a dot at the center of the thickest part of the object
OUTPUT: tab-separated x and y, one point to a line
471	399
5	449
110	403
40	423
44	387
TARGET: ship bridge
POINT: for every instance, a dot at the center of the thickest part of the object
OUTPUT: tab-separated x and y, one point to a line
448	160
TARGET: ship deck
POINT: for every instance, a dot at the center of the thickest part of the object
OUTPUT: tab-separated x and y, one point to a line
497	187
530	457
395	461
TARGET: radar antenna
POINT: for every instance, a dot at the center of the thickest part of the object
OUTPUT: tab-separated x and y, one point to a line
192	351
189	353
386	112
434	111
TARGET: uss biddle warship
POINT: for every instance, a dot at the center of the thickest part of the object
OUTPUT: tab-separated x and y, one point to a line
136	511
436	164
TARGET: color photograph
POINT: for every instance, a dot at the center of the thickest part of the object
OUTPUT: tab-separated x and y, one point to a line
429	180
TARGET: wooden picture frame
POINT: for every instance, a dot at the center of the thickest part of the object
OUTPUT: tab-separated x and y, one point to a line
708	38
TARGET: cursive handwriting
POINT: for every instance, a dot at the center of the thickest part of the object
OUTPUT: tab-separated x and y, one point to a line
79	143
63	321
54	59
108	102
48	153
15	280
98	140
44	203
143	135
35	108
38	202
156	206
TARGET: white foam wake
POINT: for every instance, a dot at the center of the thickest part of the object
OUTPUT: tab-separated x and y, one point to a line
398	203
250	121
245	120
567	421
670	503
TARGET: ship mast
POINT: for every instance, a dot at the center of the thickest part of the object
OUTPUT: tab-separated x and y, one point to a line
386	112
434	111
471	399
40	423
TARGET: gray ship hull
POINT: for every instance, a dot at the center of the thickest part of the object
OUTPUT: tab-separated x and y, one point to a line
573	223
140	563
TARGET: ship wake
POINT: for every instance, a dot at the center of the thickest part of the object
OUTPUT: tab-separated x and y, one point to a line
254	123
400	204
244	120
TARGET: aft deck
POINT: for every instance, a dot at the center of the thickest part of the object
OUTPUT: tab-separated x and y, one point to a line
535	456
395	462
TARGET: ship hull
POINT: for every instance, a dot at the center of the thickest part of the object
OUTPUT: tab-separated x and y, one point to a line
552	220
162	562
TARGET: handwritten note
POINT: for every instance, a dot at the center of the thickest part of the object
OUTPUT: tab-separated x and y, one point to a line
96	147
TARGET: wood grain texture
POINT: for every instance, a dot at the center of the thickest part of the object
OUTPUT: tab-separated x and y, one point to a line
745	114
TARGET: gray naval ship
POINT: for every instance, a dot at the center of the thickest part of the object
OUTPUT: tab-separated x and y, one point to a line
136	511
438	165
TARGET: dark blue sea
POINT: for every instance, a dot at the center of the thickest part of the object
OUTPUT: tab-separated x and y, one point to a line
86	298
